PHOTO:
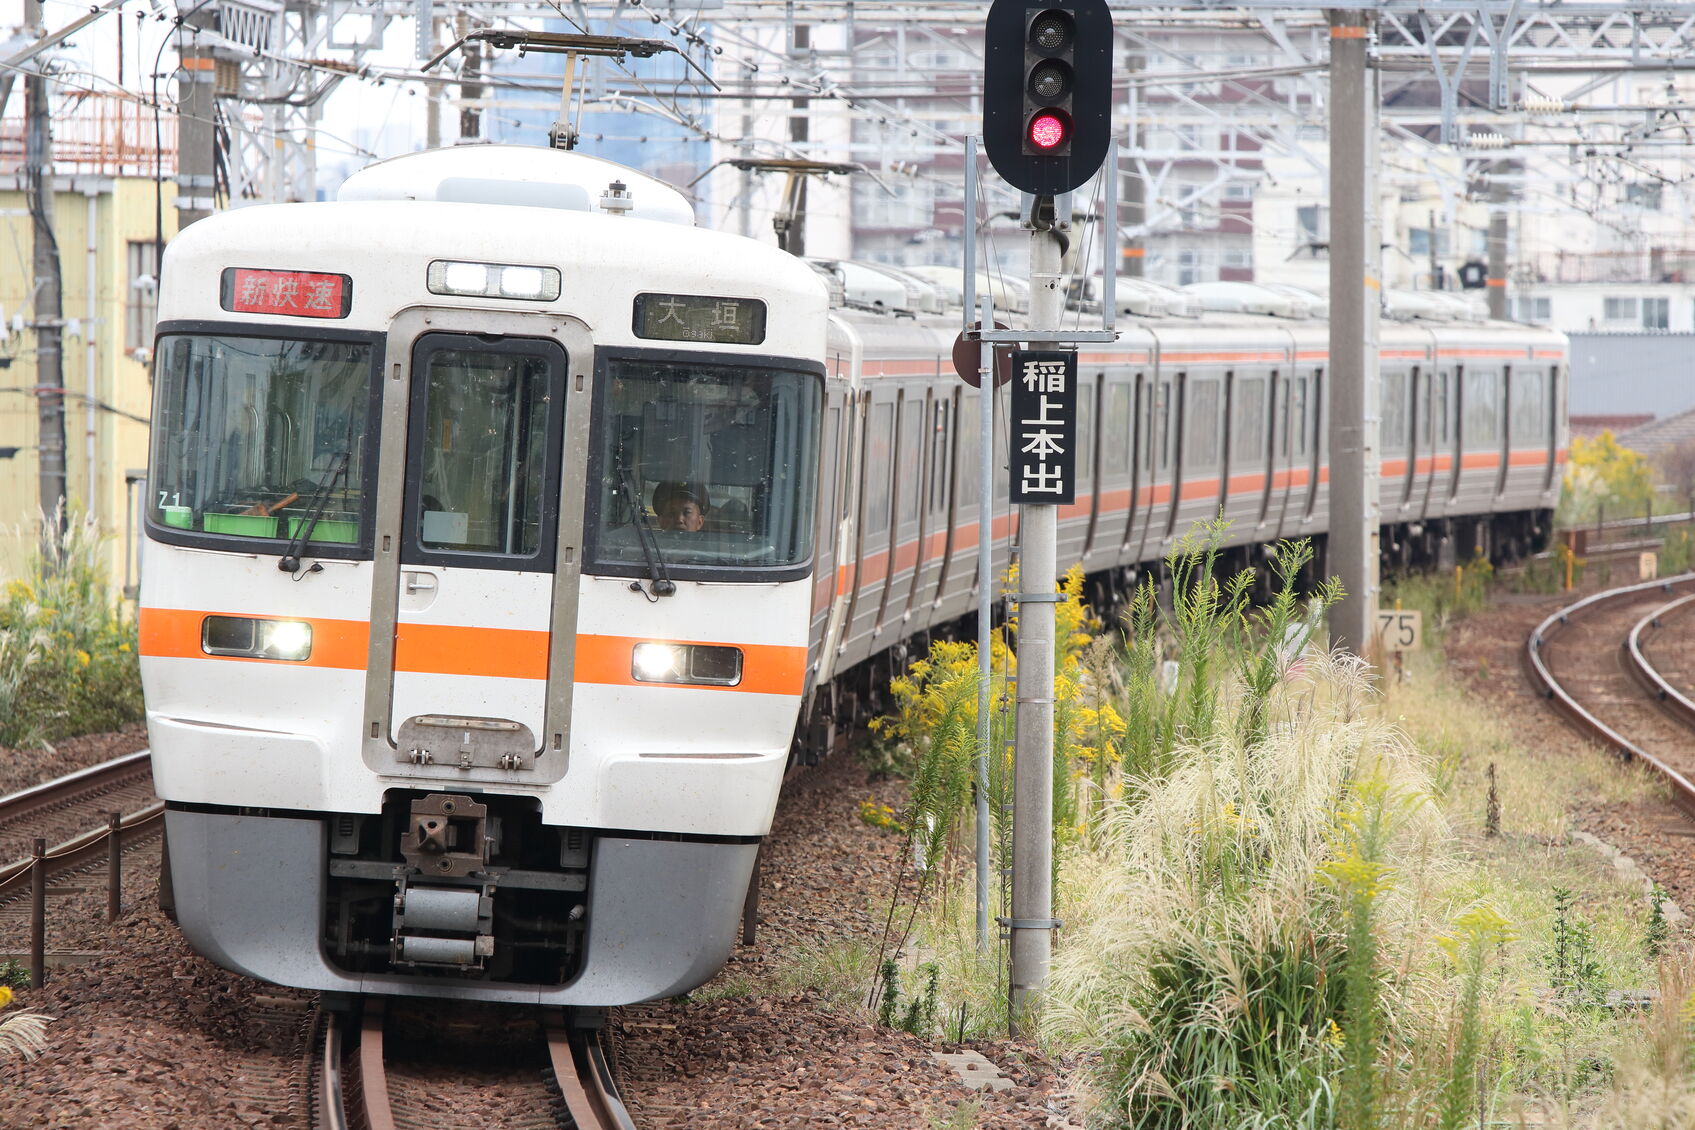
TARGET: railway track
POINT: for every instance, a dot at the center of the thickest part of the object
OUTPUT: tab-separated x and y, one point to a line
541	1074
1589	660
75	806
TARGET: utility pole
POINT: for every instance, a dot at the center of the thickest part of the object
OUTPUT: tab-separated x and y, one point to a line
791	218
197	95
48	300
470	84
1355	297
1497	278
432	107
1134	265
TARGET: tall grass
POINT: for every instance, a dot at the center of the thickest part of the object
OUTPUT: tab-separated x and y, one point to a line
67	648
1280	911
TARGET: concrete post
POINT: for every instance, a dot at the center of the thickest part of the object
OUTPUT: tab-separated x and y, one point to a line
1497	280
47	305
197	85
1355	296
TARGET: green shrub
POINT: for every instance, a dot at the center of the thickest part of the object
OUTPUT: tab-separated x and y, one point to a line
68	660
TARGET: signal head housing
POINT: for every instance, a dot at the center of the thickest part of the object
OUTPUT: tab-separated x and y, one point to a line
1047	92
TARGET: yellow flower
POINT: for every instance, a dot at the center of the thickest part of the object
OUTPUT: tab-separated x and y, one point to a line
5	996
1334	1036
83	657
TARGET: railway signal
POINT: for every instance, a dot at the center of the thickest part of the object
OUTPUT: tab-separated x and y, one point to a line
1047	92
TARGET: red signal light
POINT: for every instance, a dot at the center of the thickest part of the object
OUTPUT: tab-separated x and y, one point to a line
1049	130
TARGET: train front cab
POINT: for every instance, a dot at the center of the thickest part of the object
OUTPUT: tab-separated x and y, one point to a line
498	733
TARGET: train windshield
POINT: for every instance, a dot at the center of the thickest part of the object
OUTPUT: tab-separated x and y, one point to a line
249	431
713	465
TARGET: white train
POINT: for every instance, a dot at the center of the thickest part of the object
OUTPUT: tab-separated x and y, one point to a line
505	529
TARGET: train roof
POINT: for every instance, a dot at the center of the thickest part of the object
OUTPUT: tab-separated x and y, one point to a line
385	244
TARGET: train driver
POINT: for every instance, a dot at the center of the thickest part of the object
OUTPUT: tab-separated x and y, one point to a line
681	506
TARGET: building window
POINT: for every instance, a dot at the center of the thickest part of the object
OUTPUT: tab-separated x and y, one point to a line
1618	309
1418	242
1656	313
1535	310
1643	195
1237	259
1238	190
142	305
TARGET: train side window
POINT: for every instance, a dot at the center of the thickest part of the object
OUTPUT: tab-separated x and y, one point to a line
1085	434
1247	445
970	443
1163	408
879	446
1421	410
909	474
940	450
1200	445
1529	405
1393	413
1298	411
1115	432
1482	407
1444	407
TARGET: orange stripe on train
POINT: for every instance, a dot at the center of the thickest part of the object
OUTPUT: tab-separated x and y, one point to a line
504	653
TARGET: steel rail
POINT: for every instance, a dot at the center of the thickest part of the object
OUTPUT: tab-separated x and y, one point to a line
585	1079
331	1101
1682	791
1673	701
96	778
86	848
373	1080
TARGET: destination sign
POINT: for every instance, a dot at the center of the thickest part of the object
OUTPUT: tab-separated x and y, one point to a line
700	317
301	294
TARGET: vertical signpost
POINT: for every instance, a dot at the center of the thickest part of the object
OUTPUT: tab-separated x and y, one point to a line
1047	124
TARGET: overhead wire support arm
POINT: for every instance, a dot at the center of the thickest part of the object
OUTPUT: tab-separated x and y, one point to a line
564	133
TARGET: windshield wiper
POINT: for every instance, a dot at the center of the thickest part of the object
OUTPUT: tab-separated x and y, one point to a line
659	579
290	562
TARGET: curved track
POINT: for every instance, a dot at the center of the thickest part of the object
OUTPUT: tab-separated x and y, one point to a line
1600	679
364	1085
78	800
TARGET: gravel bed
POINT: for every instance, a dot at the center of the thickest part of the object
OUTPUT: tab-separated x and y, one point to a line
21	768
147	1035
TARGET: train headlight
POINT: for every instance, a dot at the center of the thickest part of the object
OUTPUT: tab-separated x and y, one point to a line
703	664
494	280
255	638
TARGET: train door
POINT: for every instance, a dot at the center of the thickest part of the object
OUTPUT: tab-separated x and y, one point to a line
1113	489
824	576
936	537
1077	520
1415	421
1277	440
876	465
1551	420
1458	392
1392	424
904	521
473	655
1141	440
1309	448
1508	398
1172	414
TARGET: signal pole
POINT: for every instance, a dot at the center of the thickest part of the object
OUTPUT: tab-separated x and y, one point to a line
48	302
1355	296
1032	772
1047	128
